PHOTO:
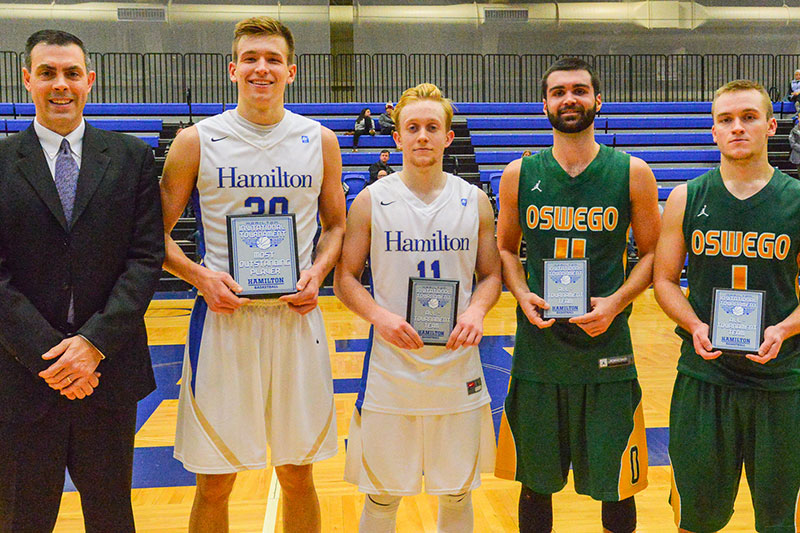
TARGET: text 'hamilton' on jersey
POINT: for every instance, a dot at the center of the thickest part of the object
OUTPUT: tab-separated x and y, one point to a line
274	177
438	242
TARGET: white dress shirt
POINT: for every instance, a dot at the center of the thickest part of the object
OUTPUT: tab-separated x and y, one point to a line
51	144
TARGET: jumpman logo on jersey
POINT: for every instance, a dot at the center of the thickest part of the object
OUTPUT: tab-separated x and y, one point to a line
702	212
536	187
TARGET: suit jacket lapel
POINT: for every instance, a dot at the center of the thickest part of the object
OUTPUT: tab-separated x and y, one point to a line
33	166
93	167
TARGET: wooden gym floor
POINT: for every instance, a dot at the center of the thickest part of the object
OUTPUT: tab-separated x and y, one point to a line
163	491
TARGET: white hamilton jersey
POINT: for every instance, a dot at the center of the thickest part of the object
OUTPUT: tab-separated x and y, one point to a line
244	170
413	239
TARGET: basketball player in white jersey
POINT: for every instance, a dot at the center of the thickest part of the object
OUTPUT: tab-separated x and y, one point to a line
255	372
420	406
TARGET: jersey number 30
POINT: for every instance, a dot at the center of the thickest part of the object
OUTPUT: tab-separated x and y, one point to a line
277	205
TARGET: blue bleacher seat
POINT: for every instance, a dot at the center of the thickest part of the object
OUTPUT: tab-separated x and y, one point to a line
663	138
151	141
678	156
494	182
367	141
519	123
526	139
366	158
356	183
663	192
659	123
6	108
337	124
655	108
139	125
678	174
352	109
154	109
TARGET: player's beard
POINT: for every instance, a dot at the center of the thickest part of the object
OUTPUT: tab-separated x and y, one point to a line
585	119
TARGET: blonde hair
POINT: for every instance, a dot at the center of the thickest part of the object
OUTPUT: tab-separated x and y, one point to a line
424	91
736	86
263	26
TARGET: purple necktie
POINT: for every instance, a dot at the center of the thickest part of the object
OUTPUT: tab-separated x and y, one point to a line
66	177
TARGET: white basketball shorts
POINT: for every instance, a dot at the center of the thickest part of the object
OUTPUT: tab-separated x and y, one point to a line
260	375
388	453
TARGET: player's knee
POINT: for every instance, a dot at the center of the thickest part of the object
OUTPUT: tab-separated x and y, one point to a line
456	501
381	504
295	479
215	487
620	517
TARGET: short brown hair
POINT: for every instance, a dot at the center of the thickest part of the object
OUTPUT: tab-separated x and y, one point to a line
55	37
424	91
263	26
568	64
744	85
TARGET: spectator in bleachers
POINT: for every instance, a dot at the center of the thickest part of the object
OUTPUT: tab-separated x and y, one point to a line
364	125
385	120
794	90
381	174
794	142
381	164
526	153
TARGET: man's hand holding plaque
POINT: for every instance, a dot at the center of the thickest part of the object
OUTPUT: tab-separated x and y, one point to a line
432	308
262	254
737	321
565	287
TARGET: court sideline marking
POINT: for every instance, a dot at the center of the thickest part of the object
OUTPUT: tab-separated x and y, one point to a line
273	496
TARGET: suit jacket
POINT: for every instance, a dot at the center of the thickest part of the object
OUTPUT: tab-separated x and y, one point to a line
109	259
376	167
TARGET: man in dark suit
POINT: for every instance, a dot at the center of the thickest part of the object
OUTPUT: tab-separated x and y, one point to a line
81	247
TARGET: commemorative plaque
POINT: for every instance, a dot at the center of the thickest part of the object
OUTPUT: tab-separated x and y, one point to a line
262	254
432	307
737	320
565	286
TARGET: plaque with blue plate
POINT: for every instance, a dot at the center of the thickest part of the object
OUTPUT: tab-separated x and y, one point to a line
262	254
737	320
432	308
565	286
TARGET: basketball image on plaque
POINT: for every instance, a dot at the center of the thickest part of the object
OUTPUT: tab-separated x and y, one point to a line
737	320
432	308
565	286
262	254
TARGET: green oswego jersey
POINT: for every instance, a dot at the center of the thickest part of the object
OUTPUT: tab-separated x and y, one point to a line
585	216
744	244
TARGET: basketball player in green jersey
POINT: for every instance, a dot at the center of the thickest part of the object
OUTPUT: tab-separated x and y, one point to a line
740	225
574	397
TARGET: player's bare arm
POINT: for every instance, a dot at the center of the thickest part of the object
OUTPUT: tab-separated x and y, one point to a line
178	182
347	278
669	261
646	224
509	238
469	326
332	218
